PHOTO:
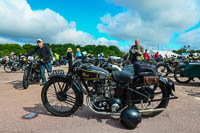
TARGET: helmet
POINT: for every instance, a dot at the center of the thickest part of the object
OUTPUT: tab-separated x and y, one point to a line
130	117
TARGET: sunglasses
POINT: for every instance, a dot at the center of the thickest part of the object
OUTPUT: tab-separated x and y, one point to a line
38	41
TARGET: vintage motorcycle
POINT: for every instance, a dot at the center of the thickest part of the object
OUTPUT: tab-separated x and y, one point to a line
107	93
31	73
186	72
14	65
167	66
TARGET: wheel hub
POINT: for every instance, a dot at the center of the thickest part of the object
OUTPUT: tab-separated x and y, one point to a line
61	96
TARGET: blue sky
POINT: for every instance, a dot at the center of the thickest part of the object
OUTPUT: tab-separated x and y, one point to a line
86	13
162	25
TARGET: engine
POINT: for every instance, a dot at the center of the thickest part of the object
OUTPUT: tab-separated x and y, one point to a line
103	97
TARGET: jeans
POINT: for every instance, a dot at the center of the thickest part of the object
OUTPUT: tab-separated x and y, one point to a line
48	67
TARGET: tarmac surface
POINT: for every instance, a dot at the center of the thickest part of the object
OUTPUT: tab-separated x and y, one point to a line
181	116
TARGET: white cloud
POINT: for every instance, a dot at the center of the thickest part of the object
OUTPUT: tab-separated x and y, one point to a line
152	21
19	22
104	41
190	38
8	41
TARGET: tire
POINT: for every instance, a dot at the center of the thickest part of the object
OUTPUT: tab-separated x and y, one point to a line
162	104
163	69
25	79
7	68
178	71
51	108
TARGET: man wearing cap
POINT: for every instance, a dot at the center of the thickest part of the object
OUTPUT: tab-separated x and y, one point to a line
44	54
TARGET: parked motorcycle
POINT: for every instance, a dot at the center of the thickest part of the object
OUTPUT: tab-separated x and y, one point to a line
14	65
186	72
107	93
32	73
167	66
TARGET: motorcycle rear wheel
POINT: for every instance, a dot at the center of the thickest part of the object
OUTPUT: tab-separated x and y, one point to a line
178	77
60	97
162	104
163	69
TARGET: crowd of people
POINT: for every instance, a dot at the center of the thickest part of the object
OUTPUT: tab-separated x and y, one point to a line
47	58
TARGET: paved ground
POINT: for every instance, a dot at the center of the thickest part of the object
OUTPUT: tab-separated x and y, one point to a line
181	116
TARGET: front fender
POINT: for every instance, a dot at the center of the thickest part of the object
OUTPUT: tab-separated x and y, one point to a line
76	85
57	76
169	84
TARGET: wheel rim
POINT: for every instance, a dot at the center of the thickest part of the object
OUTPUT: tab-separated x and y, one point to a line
179	75
8	68
157	94
162	70
61	98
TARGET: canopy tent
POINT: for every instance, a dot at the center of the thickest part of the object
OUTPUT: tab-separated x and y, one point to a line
162	53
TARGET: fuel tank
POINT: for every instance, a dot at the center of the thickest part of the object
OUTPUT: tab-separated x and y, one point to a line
88	72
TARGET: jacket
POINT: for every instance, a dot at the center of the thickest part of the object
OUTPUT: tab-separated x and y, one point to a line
135	53
43	53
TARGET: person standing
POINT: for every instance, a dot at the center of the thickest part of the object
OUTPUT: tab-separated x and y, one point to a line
146	55
78	53
136	52
44	54
156	56
69	58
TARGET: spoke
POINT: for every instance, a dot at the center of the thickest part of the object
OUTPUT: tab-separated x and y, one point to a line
69	103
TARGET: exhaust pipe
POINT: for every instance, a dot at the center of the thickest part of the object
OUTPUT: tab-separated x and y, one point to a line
142	111
145	111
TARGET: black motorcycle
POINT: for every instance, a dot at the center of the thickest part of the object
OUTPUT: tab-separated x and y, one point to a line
107	93
14	65
167	66
32	73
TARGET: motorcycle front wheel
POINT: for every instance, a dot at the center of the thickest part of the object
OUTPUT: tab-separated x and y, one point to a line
178	75
59	98
8	68
25	79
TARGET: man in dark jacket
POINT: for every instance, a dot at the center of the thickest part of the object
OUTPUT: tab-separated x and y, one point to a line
44	54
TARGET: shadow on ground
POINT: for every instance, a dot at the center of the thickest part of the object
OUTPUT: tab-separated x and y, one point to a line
190	84
17	84
86	113
193	93
38	109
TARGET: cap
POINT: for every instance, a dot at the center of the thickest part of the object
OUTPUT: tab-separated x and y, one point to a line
39	40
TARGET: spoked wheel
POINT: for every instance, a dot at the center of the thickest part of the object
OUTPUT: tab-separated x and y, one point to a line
179	77
59	98
163	70
8	68
155	92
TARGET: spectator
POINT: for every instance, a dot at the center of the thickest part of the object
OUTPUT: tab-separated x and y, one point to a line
156	56
146	55
78	53
69	58
136	52
57	57
125	56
